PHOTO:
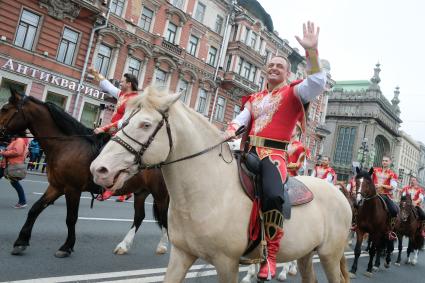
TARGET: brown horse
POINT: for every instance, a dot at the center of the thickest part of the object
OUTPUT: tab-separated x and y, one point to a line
409	225
70	147
367	204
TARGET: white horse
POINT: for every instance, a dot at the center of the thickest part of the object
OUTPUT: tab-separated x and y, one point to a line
124	246
209	213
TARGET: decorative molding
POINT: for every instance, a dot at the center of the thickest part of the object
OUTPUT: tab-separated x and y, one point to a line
60	9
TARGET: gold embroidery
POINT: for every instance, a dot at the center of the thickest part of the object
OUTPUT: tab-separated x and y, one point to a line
263	108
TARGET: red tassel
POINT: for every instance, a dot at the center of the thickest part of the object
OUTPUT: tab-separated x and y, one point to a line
254	220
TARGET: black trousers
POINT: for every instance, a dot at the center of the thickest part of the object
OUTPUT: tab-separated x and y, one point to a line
421	213
392	207
272	197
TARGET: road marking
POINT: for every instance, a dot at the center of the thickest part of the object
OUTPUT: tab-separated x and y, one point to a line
34	181
113	219
129	201
201	270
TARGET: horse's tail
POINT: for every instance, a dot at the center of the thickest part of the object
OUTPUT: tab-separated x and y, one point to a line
160	211
344	271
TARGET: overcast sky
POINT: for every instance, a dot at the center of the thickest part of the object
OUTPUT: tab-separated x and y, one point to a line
356	34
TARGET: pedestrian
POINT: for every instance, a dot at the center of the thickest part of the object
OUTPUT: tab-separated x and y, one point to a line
34	150
15	154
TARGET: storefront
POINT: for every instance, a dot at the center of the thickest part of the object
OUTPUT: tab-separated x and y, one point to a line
47	85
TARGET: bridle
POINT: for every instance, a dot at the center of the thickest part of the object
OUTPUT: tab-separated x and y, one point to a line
138	154
362	194
19	109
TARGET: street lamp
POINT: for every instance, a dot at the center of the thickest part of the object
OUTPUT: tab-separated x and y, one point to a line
363	152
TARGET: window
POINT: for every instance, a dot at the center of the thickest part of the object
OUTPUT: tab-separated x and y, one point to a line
229	62
247	70
247	32
212	54
220	109
261	83
202	101
27	30
193	45
57	99
161	77
344	145
253	40
146	19
268	52
67	46
117	6
236	111
200	12
183	89
134	66
103	58
89	115
218	24
178	3
5	89
170	36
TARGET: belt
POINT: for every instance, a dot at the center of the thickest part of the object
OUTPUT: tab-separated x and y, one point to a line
263	142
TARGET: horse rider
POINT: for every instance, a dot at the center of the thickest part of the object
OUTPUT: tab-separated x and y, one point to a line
297	152
385	181
128	89
324	171
351	187
272	115
417	195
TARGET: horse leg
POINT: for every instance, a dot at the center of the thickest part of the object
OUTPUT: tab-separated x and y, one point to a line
283	274
162	247
305	265
357	251
72	197
178	265
379	248
251	273
409	250
292	268
139	215
415	257
400	247
390	249
372	252
44	201
227	269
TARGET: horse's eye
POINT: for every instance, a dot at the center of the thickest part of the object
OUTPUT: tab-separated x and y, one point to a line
145	125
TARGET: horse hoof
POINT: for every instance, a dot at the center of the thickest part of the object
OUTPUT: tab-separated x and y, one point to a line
375	269
281	277
62	254
397	264
414	262
160	250
18	250
352	275
386	265
368	274
120	251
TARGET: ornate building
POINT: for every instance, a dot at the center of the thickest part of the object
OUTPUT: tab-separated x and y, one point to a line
213	51
407	158
421	166
365	125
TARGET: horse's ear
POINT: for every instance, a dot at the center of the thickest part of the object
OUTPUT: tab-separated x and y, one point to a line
357	170
15	95
172	98
371	171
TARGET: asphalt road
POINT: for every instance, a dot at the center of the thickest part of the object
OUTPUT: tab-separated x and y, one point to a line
99	231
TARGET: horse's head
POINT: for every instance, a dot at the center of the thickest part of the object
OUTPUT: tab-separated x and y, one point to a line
12	114
406	207
145	139
365	188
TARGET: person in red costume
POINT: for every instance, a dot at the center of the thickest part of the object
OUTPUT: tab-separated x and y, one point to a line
271	116
385	181
297	153
128	89
324	171
417	195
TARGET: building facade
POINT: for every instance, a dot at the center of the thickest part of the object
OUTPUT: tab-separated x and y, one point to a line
421	166
407	158
365	125
212	51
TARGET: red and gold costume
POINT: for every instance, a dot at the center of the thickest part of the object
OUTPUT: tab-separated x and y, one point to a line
325	172
416	193
351	187
386	177
296	155
118	112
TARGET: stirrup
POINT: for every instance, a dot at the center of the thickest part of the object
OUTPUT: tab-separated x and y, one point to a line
353	227
392	236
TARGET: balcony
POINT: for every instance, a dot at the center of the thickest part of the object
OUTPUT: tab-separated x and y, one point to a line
247	52
239	81
171	47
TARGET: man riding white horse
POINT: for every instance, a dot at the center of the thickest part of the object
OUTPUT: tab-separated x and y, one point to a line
273	114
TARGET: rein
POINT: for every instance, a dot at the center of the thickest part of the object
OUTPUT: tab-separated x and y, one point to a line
144	146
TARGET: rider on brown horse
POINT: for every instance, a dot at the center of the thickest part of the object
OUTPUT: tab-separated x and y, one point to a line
385	181
417	195
272	115
129	87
